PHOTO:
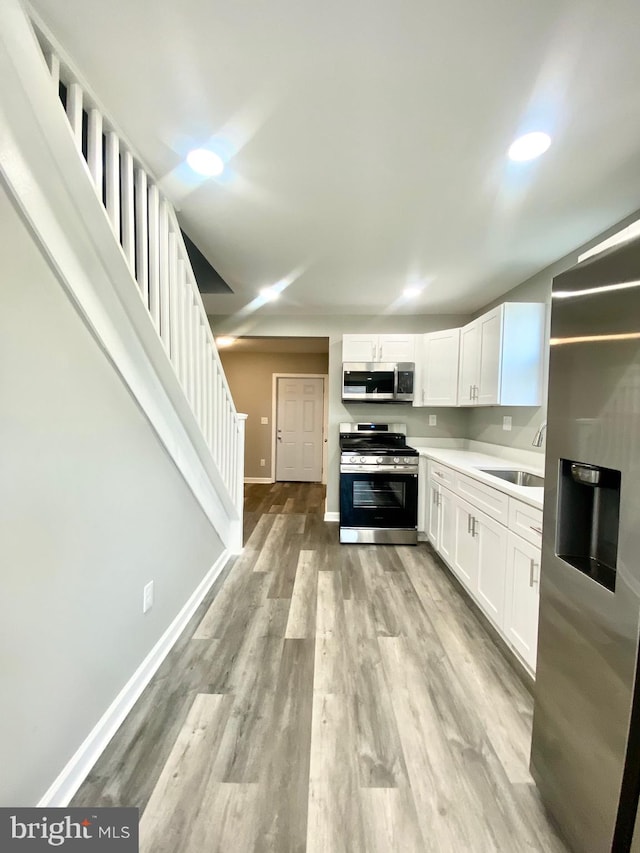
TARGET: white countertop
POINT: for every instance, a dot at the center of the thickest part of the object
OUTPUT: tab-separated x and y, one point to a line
470	461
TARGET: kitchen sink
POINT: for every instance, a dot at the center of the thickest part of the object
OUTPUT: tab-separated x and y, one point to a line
518	478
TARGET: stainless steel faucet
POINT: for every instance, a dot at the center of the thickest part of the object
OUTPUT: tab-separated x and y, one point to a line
539	436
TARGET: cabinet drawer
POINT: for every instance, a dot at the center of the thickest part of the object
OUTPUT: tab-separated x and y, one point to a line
526	521
486	498
441	474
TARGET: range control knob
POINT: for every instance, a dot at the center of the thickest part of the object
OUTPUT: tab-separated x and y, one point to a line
396	459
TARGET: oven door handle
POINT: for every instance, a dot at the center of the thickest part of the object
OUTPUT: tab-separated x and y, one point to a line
409	471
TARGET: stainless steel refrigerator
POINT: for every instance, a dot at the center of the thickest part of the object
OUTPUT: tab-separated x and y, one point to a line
585	753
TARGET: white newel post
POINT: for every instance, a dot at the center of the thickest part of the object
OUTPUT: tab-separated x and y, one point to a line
235	544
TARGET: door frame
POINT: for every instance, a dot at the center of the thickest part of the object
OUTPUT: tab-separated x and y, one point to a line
325	415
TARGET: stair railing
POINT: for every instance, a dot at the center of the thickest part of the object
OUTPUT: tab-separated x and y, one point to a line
145	225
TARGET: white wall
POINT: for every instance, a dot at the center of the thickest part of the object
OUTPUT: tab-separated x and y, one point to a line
92	509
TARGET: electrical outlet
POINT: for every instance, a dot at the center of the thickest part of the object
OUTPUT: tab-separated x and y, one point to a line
433	420
263	462
506	423
147	597
264	420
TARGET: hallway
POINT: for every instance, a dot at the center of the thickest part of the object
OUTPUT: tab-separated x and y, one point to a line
328	698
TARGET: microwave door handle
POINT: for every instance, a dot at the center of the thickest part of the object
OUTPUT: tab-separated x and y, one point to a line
396	381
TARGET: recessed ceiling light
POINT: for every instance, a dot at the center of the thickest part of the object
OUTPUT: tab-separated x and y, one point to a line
269	294
529	146
411	292
205	162
224	341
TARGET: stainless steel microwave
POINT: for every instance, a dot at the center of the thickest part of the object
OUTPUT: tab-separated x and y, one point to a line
377	382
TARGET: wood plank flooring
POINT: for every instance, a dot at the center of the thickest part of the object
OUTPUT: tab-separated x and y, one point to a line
331	699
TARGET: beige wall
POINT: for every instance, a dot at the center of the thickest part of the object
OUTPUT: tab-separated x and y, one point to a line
250	379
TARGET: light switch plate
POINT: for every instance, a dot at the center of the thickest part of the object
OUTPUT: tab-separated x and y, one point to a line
433	420
506	423
264	420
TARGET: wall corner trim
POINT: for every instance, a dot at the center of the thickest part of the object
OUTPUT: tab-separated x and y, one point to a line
78	767
332	516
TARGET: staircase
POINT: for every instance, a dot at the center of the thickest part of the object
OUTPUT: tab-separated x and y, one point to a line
101	218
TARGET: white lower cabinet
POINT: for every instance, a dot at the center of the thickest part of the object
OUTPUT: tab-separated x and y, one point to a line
480	558
522	597
441	527
446	509
492	567
433	518
465	550
499	568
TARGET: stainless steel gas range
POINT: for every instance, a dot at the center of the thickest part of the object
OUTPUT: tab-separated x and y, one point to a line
378	485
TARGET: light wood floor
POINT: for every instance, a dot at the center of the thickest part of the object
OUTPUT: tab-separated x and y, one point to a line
328	698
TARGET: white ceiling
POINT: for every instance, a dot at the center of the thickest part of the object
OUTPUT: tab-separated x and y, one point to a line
367	139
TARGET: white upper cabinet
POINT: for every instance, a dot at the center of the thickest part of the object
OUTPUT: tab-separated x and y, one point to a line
468	361
378	348
501	357
359	347
397	348
438	369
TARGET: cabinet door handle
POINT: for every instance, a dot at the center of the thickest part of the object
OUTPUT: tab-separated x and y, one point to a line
474	521
471	392
532	571
535	529
438	474
468	523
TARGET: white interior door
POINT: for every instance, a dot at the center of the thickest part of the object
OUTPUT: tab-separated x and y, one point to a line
299	427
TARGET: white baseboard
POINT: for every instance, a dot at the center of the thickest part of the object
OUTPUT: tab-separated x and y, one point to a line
77	769
332	516
258	480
